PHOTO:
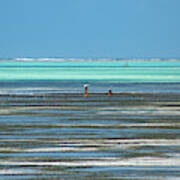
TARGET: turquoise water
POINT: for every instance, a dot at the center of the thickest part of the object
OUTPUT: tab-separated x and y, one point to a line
91	71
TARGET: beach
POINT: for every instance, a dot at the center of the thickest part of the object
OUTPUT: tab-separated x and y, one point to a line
90	90
50	130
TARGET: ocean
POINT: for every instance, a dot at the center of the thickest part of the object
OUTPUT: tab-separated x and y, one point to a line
64	76
49	130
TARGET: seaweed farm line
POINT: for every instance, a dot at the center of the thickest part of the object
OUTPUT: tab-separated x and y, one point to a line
69	136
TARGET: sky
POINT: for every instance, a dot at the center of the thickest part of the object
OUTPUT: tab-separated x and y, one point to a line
90	28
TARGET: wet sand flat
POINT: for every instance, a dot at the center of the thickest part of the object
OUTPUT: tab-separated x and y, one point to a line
69	136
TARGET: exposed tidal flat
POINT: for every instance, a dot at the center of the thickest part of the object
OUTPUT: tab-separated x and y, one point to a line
69	136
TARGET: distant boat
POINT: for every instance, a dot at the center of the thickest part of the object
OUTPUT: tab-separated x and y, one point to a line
126	65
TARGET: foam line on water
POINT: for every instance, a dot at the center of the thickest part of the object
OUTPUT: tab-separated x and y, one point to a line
92	59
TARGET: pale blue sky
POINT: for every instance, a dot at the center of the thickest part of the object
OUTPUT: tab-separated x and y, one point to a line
90	28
